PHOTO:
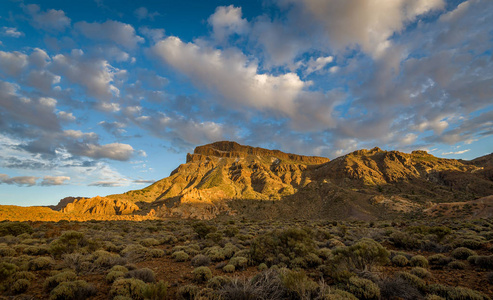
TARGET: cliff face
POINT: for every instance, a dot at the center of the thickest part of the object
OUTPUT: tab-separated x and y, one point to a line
226	178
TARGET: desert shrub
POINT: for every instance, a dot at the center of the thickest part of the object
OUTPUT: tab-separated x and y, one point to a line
114	275
363	255
439	231
24	275
229	268
481	261
292	242
231	231
489	277
457	265
180	256
215	253
144	274
156	291
148	242
471	243
200	260
41	263
68	242
413	280
103	260
239	262
420	272
53	281
134	252
216	237
439	260
20	286
434	297
418	261
202	229
69	290
400	261
6	270
187	292
336	294
398	288
6	251
156	253
298	284
456	293
217	282
229	250
404	240
363	288
262	267
14	228
265	285
128	287
462	253
202	274
36	250
312	260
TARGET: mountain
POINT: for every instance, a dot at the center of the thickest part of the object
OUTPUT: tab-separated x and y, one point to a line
226	178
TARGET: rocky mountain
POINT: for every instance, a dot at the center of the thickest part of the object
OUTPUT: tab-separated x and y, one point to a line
226	178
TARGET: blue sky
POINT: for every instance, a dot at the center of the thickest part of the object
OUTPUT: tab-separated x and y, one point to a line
100	97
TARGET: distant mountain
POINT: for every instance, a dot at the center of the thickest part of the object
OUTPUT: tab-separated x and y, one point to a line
226	178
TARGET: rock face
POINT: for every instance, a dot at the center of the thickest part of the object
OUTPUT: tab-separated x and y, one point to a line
226	178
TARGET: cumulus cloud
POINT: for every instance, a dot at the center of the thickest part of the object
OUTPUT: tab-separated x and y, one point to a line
226	21
54	180
314	65
18	180
52	19
115	151
117	32
96	75
12	63
365	23
231	75
11	32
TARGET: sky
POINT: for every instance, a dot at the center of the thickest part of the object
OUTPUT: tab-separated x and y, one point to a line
101	97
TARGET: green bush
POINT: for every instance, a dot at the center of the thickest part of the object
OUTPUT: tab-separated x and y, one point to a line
156	291
400	261
128	287
135	252
439	260
217	282
363	288
202	274
20	286
420	272
462	253
457	265
36	250
180	256
114	275
216	237
456	293
481	261
6	270
6	251
363	255
229	268
200	260
336	294
53	281
298	284
262	267
239	262
156	253
292	242
72	290
24	275
215	253
419	261
148	242
413	280
231	231
41	263
187	292
202	229
68	242
14	228
144	274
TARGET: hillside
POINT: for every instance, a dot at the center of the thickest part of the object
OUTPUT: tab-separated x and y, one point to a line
226	178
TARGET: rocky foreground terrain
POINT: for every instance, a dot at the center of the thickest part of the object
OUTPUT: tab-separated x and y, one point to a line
228	179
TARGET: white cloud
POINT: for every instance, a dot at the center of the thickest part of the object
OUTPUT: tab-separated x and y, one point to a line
12	32
117	32
96	75
154	34
230	74
54	180
226	21
367	23
143	13
12	63
18	180
66	116
115	151
51	19
456	152
314	65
